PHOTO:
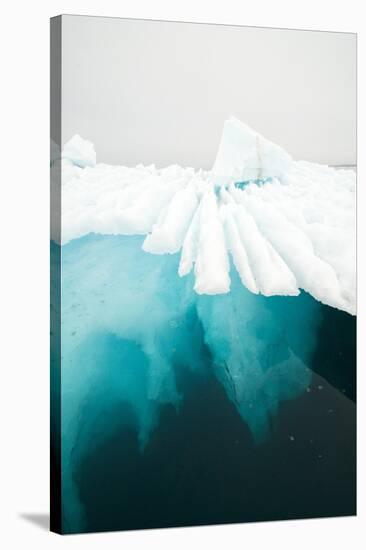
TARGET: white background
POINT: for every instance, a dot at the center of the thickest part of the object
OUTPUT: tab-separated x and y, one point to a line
157	92
24	275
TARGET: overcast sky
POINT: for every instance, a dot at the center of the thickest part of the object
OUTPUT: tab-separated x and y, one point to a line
159	92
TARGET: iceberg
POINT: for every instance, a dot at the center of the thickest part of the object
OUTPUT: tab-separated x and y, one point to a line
167	271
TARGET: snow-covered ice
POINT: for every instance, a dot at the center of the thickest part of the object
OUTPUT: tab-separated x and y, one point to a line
286	225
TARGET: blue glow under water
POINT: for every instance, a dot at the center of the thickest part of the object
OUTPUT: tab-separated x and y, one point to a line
179	409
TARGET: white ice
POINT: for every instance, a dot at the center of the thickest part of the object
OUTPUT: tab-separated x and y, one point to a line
79	152
244	155
294	231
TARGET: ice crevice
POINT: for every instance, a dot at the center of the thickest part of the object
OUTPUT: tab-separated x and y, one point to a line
284	225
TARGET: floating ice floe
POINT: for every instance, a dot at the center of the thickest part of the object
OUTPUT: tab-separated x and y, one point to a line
285	225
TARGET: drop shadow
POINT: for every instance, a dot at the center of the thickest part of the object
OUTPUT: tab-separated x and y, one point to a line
40	520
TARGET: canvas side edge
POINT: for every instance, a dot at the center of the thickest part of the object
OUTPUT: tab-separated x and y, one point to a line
55	274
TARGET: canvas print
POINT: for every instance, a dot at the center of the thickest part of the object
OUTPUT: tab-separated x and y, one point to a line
203	274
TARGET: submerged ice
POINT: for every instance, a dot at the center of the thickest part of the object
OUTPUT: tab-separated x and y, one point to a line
130	326
219	272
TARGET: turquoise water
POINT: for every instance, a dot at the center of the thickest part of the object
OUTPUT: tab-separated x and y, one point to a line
179	409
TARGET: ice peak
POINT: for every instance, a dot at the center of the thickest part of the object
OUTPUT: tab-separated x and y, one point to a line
79	152
244	154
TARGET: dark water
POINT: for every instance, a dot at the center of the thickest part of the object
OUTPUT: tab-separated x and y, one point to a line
201	466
